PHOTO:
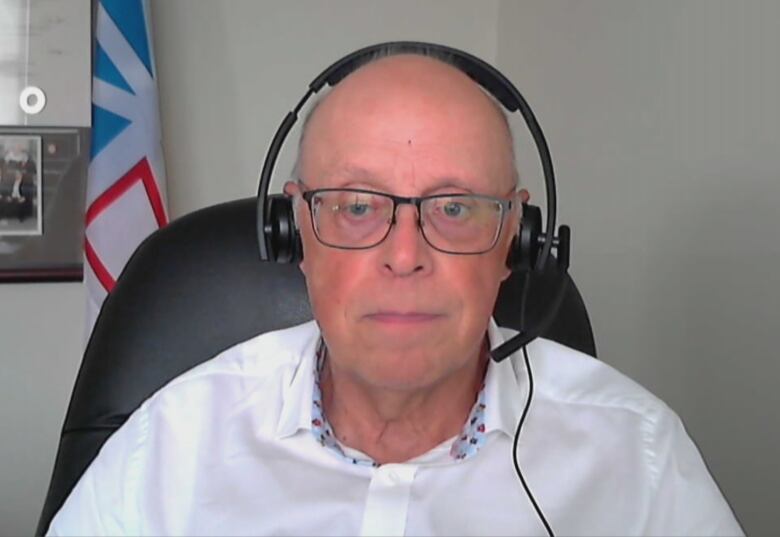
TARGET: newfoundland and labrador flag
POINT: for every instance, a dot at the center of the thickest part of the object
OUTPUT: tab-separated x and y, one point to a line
126	182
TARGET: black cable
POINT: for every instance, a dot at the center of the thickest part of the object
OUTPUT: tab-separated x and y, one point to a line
518	471
525	336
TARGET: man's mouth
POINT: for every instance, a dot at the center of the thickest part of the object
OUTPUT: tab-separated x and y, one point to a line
403	317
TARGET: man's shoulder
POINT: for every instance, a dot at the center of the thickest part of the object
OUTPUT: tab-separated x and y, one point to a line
245	365
587	399
213	406
587	415
570	377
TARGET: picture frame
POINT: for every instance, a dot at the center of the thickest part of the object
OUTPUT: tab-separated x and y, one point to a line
43	175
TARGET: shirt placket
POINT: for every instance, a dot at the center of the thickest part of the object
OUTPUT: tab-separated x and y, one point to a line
387	502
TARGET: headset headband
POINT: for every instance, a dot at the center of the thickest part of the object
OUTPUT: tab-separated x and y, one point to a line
481	72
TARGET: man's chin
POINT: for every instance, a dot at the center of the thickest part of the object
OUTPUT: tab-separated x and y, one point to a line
405	330
405	363
401	339
402	375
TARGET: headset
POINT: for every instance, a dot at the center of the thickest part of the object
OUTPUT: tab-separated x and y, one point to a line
280	242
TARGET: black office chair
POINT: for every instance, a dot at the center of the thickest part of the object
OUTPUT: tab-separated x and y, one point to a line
195	288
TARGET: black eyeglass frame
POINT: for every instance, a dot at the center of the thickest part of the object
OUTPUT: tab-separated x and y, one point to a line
417	201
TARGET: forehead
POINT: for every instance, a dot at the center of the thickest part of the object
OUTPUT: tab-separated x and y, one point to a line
408	125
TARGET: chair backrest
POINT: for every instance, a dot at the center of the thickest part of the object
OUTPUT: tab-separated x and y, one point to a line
195	288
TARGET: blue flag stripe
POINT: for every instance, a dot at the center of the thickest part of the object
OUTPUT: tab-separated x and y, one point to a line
106	126
128	15
106	71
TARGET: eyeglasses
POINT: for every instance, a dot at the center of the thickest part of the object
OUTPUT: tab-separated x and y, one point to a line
356	219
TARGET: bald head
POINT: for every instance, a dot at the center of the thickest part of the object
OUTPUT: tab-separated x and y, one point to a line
410	100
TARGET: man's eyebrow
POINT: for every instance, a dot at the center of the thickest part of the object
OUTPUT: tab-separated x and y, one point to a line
450	183
350	173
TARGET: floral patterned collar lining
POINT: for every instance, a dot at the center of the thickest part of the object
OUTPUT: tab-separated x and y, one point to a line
466	445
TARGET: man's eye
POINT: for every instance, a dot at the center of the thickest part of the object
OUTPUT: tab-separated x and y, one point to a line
454	209
357	209
353	210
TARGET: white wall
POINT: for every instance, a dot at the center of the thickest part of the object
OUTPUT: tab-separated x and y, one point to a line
40	337
664	124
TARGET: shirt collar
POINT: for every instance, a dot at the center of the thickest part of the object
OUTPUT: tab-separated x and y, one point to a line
504	394
298	389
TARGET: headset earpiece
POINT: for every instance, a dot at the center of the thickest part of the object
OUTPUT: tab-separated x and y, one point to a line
282	237
526	244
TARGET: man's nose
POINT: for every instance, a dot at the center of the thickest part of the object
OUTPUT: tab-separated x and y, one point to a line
405	251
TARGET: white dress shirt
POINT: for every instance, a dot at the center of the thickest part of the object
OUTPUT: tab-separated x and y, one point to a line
227	449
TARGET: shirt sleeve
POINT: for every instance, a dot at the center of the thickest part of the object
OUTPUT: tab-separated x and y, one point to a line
687	499
104	501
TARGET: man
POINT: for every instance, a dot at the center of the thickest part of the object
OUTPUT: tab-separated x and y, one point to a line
386	416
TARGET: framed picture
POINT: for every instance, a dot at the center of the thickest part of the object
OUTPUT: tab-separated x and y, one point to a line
42	181
20	185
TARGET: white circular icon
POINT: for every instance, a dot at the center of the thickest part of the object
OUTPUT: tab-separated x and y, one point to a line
32	100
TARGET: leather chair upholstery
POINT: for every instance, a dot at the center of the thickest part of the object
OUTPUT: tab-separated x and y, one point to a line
195	288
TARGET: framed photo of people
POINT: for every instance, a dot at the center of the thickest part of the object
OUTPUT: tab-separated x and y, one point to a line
42	181
20	185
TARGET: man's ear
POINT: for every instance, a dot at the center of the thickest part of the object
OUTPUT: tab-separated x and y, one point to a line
507	273
516	218
510	256
514	221
293	190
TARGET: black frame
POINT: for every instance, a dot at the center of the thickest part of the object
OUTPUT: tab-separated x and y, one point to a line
56	254
505	204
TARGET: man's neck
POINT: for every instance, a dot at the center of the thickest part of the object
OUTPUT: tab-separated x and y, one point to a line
392	426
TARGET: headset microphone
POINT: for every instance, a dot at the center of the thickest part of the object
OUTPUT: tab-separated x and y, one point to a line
509	347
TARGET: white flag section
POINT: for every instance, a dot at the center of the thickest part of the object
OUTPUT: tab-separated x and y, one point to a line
126	183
